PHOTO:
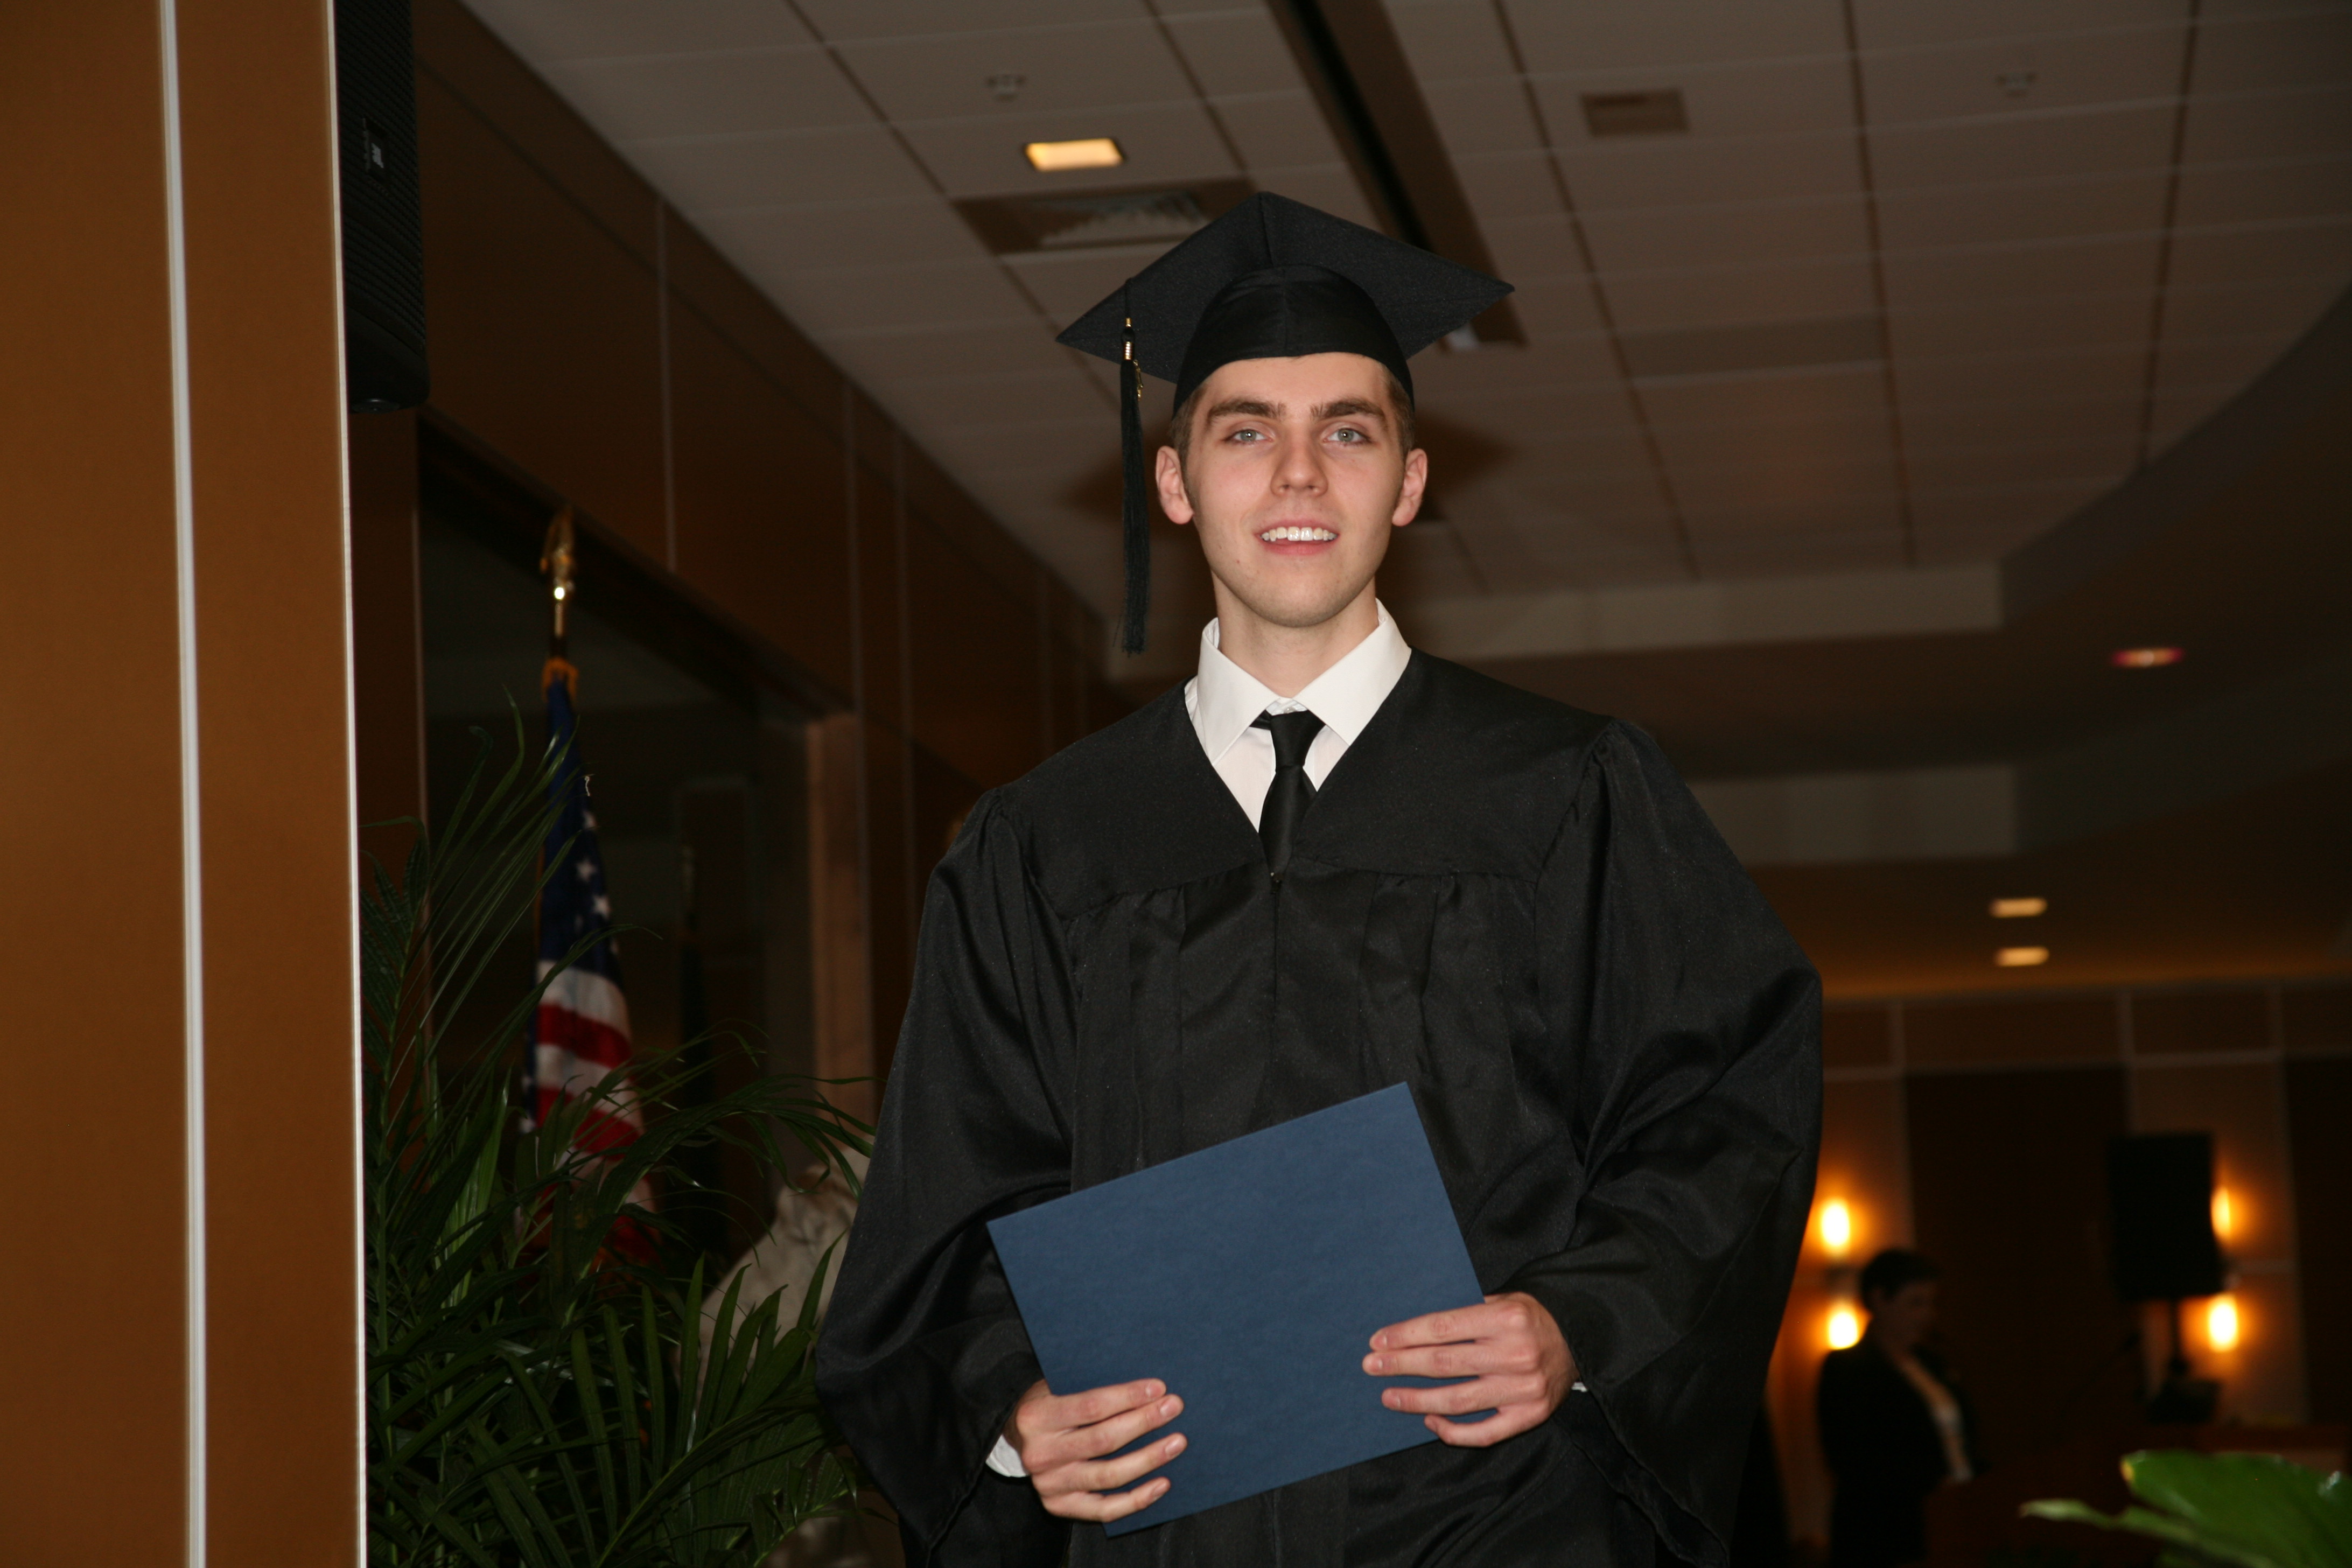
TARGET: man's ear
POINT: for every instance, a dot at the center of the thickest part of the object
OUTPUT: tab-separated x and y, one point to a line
1409	494
1169	477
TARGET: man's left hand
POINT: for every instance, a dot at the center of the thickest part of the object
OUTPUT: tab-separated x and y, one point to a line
1518	1366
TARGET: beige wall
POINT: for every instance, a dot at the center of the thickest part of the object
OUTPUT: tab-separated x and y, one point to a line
123	723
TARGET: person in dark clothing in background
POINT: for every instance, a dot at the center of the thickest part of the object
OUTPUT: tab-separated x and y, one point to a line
1894	1426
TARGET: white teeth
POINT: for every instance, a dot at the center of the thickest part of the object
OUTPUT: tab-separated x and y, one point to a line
1296	535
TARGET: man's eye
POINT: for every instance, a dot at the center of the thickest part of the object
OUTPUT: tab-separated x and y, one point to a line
1350	436
1244	436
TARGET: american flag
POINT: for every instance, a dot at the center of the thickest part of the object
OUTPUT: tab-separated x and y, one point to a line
581	1032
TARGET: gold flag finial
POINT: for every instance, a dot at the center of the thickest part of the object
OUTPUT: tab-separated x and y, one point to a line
556	560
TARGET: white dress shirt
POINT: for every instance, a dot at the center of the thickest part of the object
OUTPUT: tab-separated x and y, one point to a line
1223	702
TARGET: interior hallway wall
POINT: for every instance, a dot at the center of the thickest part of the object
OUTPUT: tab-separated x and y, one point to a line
180	1343
595	347
1975	1129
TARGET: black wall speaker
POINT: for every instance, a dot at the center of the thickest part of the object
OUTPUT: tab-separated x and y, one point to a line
2160	1196
384	224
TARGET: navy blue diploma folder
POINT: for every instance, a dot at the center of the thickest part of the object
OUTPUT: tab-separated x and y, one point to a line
1250	1278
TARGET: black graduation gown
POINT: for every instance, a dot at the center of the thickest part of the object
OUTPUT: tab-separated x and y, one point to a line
1514	906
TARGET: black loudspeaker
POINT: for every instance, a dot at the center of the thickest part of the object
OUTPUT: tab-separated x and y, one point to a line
2160	1196
383	224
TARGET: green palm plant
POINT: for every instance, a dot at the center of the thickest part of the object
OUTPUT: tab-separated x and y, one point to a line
2227	1510
536	1397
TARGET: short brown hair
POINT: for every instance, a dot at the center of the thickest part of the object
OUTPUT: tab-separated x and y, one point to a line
1180	424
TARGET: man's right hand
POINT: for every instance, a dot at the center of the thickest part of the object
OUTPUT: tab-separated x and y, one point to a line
1062	1439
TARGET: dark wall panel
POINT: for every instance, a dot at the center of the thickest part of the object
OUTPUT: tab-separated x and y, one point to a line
2319	1112
2006	1029
2008	1195
2201	1021
763	528
975	659
546	339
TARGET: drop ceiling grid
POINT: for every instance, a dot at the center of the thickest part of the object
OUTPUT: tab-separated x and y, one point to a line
2015	268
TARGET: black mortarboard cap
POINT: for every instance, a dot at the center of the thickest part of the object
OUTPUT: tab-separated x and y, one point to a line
1272	279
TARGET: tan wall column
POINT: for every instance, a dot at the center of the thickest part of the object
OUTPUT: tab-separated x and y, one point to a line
176	864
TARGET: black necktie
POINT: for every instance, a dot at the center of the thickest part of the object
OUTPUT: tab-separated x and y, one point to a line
1292	792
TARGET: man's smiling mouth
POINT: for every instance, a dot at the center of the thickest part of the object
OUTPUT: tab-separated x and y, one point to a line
1298	535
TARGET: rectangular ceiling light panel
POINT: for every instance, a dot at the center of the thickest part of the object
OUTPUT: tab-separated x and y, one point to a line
1087	153
1658	112
1086	220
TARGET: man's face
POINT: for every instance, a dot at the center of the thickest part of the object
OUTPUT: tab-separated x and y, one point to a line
1295	477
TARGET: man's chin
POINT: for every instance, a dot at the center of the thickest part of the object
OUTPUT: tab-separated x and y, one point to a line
1298	613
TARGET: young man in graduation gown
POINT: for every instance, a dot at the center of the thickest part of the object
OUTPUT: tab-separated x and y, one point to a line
1326	865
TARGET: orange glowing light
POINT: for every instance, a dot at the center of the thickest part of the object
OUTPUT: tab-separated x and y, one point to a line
1837	1227
2021	957
1845	1328
2222	1326
2144	657
2225	1214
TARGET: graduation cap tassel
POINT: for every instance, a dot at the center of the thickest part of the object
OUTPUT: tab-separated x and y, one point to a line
1135	502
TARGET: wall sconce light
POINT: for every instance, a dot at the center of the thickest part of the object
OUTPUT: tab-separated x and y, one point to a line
2222	1326
2225	1216
1837	1227
1845	1327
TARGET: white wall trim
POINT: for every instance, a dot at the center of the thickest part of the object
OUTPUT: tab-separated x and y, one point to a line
191	880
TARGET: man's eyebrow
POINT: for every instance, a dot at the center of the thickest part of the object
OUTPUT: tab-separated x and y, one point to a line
1256	408
1349	408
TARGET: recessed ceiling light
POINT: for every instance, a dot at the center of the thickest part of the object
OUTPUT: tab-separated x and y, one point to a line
2017	909
2021	957
1658	112
2144	657
1087	152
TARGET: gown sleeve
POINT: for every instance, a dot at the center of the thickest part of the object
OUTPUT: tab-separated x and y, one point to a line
923	1355
1689	1025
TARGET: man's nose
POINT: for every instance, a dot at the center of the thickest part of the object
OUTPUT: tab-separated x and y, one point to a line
1300	469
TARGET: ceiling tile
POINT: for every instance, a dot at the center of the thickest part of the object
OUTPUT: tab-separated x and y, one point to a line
2264	193
2073	464
816	239
1710	296
2288	308
2104	142
1172	142
2314	123
1795	474
1503	186
913	18
1802	555
1853	513
2214	257
1909	23
1659	172
1666	33
2302	47
1536	248
1574	382
1643	241
1452	40
548	31
1921	279
2174	414
1331	186
1555	310
1794	398
704	95
1069	284
891	299
2017	511
1858	435
2001	423
2217	362
781	169
1972	543
2040	210
877	357
1561	447
1771	98
1065	71
2058	373
1477	117
2012	325
2067	71
1279	131
1236	51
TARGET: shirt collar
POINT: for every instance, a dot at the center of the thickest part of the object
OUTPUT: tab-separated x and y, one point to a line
1224	699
